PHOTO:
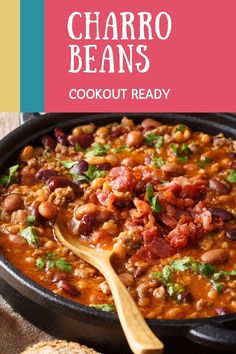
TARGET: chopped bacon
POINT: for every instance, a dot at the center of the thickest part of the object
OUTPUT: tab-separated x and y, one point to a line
156	249
191	191
150	234
122	179
178	237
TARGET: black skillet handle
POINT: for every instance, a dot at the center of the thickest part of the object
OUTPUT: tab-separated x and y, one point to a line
213	336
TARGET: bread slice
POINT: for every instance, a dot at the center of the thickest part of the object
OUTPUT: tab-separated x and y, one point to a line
59	347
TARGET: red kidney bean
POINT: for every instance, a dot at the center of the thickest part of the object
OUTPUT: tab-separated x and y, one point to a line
233	165
87	224
44	175
224	215
150	127
80	167
221	187
185	296
61	182
58	276
84	140
61	136
48	142
68	288
139	272
221	311
104	166
232	155
231	234
116	133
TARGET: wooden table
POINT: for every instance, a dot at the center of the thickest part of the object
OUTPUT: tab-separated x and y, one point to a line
8	122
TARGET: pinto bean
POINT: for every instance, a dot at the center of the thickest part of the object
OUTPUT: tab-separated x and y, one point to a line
26	153
224	215
134	138
89	208
174	313
149	122
13	202
128	162
126	279
68	288
221	187
173	169
44	175
215	256
48	142
48	210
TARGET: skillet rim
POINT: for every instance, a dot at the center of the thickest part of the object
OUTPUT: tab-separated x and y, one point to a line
45	297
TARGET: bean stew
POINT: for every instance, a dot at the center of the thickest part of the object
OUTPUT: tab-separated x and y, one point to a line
162	196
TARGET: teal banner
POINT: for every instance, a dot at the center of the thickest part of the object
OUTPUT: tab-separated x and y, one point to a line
32	56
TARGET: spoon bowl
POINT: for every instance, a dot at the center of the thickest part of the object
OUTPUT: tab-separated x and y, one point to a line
139	336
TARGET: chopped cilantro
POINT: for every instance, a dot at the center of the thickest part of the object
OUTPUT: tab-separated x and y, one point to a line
51	260
206	269
88	176
180	151
203	162
40	263
167	273
79	148
98	150
153	199
232	176
67	163
31	237
180	128
174	289
158	161
63	265
152	139
31	219
104	307
6	180
120	149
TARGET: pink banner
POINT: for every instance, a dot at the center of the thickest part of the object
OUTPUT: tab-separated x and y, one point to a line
149	56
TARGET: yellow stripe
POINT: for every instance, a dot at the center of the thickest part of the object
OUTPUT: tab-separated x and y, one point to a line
9	55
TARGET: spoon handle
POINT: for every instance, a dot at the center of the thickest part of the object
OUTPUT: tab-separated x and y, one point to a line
139	336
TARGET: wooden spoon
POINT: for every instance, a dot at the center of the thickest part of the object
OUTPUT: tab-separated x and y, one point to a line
139	336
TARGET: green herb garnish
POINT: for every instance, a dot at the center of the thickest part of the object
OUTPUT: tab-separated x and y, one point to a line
189	264
31	237
40	263
67	163
153	199
152	139
232	176
98	150
181	152
88	176
120	149
158	161
63	265
79	148
180	128
104	307
31	219
203	162
6	180
52	261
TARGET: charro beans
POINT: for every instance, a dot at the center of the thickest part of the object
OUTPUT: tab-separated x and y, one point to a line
161	196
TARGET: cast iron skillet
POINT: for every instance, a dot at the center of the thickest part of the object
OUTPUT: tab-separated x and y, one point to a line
71	320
